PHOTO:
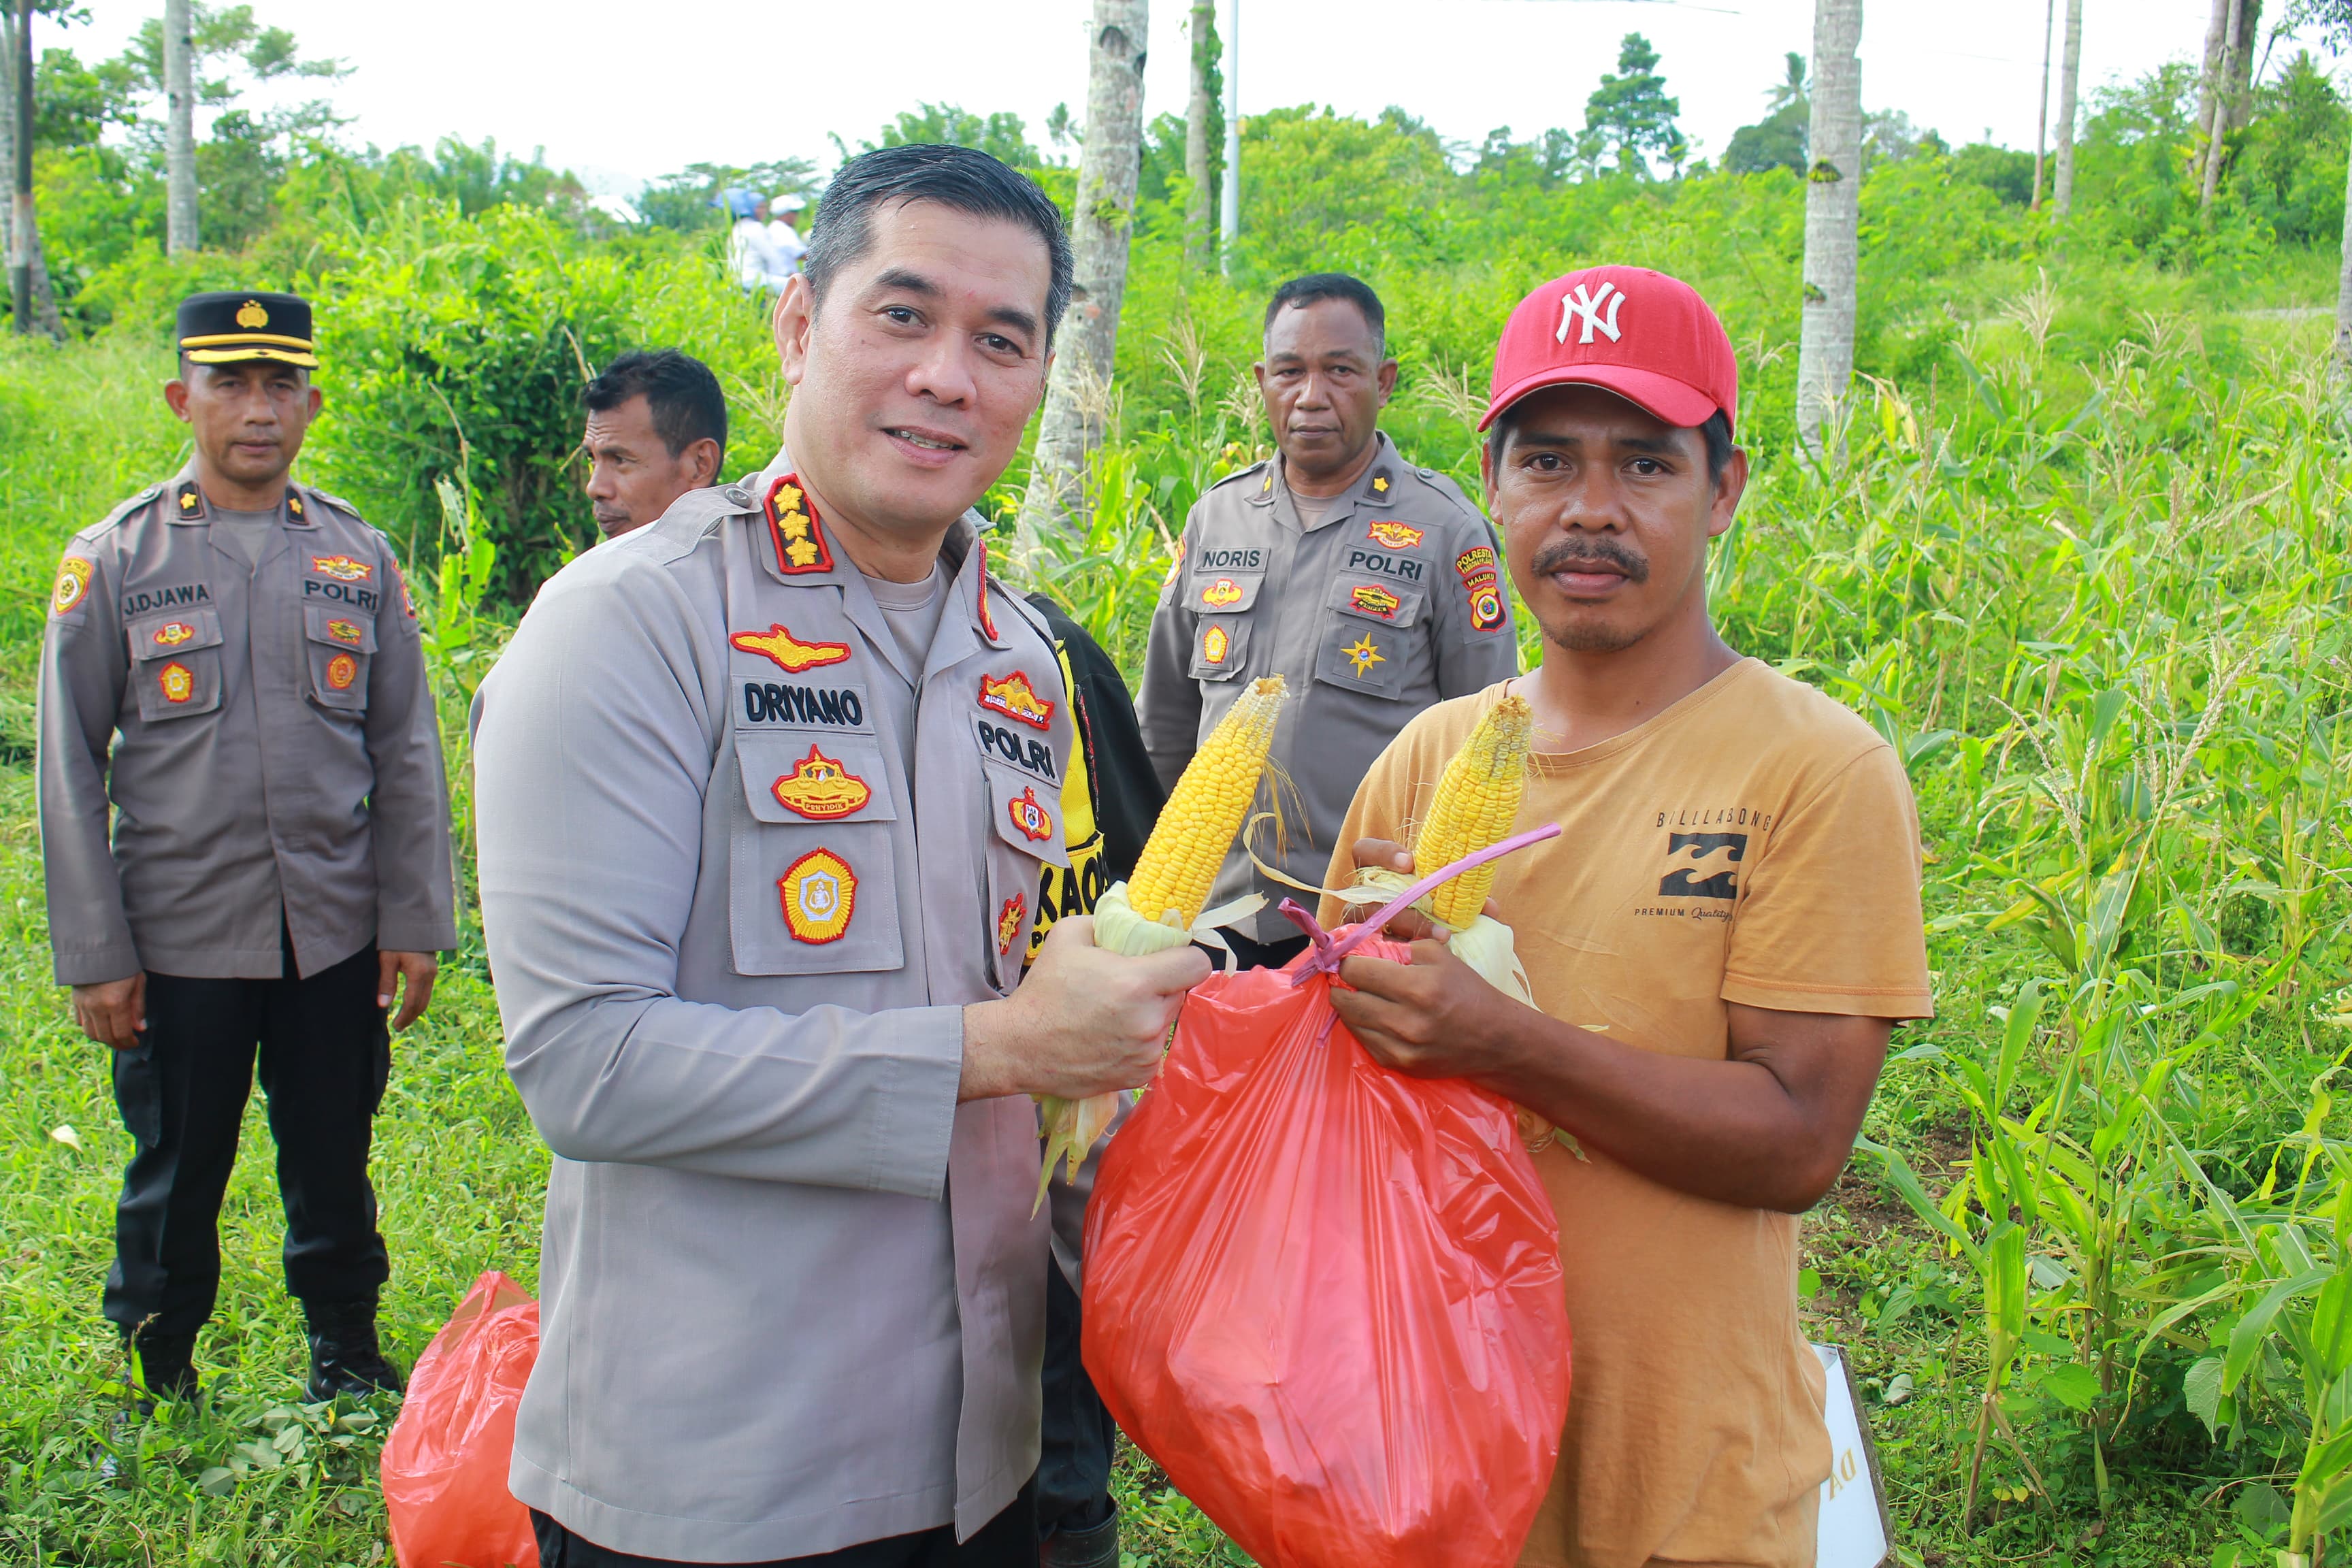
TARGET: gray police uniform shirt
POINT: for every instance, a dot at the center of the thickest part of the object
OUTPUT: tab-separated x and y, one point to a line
262	734
792	1296
1393	602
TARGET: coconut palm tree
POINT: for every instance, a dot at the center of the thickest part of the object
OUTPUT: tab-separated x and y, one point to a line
2069	76
1832	218
179	128
1079	394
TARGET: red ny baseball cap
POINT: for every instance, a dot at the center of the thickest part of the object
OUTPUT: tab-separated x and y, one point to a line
1640	334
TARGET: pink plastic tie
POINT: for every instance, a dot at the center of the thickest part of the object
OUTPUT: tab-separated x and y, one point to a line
1329	950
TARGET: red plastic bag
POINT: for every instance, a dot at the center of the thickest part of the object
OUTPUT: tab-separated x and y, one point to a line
1326	1297
445	1465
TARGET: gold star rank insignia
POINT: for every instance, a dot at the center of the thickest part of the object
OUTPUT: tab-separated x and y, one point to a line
1381	483
1363	654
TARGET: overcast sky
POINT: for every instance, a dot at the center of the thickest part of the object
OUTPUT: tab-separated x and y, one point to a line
622	93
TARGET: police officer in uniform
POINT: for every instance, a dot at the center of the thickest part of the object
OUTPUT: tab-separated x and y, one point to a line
766	793
1371	587
232	675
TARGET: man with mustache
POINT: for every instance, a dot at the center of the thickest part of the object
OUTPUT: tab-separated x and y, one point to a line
766	793
1369	585
1719	942
656	428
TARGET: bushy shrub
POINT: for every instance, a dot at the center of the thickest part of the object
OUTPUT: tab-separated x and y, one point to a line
453	340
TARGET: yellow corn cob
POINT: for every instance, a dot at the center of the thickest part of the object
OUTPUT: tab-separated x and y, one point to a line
1477	800
1178	867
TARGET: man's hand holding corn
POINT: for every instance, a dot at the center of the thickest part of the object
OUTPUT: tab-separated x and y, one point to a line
1084	1021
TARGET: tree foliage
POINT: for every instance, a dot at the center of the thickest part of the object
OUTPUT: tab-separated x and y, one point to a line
1629	118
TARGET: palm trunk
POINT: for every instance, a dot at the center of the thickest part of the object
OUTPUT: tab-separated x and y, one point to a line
21	227
2070	77
1200	241
2344	290
2229	92
2209	81
1832	218
2042	126
8	132
1079	394
1229	194
179	129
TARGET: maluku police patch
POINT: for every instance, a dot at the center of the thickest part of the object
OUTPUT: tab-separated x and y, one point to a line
73	584
1028	814
819	892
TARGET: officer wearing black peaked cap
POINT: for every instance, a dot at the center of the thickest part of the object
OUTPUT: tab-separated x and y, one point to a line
244	832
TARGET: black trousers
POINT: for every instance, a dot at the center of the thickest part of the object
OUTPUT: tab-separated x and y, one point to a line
1075	1444
1008	1541
323	1056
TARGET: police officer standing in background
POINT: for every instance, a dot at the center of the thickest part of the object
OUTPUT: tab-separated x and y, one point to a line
232	665
1370	585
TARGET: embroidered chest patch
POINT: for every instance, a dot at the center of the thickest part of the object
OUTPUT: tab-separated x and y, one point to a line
790	654
1008	923
1029	816
1017	700
179	683
821	789
1389	534
819	892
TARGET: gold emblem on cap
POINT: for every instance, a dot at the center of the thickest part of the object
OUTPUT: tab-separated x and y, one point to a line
251	316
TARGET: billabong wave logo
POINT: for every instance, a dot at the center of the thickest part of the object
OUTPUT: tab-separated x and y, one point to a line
1688	853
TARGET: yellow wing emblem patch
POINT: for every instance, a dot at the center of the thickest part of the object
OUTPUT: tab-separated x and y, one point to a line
821	789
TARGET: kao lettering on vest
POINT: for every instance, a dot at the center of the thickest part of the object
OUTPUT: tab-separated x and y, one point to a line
1405	568
783	702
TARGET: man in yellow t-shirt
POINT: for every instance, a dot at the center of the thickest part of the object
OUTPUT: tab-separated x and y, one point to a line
1719	942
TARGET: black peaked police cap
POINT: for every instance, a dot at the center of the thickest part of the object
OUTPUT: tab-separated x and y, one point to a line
222	328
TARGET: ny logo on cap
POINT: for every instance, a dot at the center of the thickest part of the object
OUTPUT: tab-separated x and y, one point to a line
1581	301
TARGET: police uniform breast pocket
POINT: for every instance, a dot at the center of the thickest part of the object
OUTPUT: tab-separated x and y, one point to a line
1221	647
175	663
814	889
341	645
1373	640
1024	807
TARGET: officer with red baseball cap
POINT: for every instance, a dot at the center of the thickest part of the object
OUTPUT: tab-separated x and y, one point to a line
1719	943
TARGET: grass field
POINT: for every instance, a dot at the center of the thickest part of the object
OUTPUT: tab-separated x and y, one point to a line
2093	585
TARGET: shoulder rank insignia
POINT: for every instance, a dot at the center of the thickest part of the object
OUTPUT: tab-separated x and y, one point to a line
179	683
192	500
787	651
1381	484
342	568
1222	592
1216	643
987	621
1266	486
821	789
294	505
1362	654
1389	534
73	584
1029	816
1374	600
1017	700
819	893
793	525
1008	923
